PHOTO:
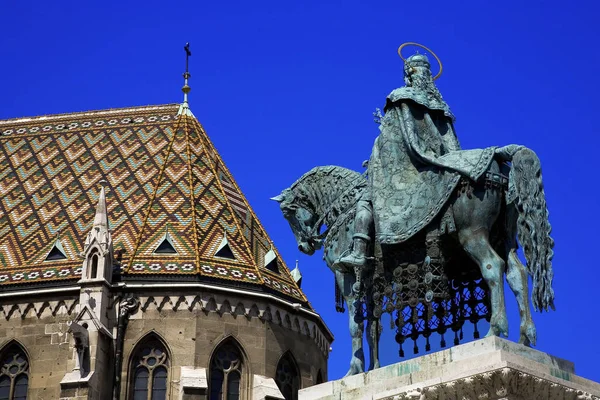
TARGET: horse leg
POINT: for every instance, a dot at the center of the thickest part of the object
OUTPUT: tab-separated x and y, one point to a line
345	282
476	244
516	275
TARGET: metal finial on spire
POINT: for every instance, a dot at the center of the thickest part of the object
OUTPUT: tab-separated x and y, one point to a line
185	108
186	75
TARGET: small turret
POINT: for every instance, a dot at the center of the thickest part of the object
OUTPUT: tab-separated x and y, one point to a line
98	247
96	272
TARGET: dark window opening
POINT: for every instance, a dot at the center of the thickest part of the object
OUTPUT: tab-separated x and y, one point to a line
287	377
165	247
94	268
225	252
319	377
14	373
273	266
226	373
150	371
55	254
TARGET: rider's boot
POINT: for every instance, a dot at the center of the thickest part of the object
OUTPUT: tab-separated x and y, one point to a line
358	257
363	222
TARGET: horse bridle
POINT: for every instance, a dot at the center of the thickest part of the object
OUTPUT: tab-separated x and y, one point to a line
321	236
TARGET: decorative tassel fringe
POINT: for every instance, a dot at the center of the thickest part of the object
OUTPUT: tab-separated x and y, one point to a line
339	299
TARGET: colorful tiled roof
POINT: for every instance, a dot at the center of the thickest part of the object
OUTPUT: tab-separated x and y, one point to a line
165	181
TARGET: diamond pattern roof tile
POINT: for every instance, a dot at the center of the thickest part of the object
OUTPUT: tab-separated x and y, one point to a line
163	173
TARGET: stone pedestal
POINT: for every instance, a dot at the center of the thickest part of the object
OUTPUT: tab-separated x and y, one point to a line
75	387
490	369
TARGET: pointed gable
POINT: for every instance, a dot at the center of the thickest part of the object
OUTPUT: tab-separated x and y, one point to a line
224	251
166	245
57	252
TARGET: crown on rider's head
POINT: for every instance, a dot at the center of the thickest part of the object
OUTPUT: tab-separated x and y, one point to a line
418	60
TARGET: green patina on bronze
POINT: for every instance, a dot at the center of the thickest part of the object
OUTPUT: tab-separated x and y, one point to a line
428	234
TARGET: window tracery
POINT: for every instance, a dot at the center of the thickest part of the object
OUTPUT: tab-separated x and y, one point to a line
150	369
14	373
226	371
287	377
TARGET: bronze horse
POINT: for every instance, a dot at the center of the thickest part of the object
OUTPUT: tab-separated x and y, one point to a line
327	197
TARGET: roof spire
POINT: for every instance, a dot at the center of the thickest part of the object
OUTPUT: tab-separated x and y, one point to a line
185	107
101	218
99	232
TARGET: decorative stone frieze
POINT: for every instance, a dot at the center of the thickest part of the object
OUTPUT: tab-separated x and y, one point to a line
39	309
501	384
287	316
239	307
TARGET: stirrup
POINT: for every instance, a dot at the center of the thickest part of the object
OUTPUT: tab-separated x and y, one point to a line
353	261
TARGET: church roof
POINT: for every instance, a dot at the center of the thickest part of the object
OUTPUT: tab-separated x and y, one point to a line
173	208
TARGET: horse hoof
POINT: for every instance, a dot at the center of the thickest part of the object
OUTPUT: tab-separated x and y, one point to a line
352	372
496	330
528	336
500	328
524	340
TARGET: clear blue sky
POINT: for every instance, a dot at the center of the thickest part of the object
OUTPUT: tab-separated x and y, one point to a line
283	86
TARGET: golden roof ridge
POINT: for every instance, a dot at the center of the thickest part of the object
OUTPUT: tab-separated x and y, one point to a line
204	137
250	210
184	117
153	198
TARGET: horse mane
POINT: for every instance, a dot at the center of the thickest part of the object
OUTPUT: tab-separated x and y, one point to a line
321	186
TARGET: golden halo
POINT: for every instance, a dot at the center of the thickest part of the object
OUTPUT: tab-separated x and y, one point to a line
403	45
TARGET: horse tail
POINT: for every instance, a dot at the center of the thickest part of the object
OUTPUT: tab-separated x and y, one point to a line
533	227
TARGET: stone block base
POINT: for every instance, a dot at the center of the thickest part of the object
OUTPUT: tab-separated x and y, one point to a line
74	387
490	368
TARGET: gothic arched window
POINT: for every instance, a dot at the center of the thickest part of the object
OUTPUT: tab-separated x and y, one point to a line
94	267
149	370
226	372
287	377
319	377
14	373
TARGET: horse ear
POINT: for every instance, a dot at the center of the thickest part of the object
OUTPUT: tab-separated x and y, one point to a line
278	198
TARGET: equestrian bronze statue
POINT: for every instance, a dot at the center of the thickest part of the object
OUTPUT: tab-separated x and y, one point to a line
429	232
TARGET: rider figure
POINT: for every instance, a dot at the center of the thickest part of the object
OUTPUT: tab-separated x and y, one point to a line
418	79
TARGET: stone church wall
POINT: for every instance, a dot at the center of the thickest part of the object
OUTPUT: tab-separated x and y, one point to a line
191	327
192	336
40	328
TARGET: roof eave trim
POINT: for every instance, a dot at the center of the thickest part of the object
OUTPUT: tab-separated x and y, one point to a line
123	285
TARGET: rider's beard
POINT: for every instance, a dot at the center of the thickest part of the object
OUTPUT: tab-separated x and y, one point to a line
422	80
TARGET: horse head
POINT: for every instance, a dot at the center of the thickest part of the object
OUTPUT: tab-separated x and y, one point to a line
302	218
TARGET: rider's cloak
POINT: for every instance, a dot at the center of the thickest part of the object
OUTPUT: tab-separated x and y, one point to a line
416	164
